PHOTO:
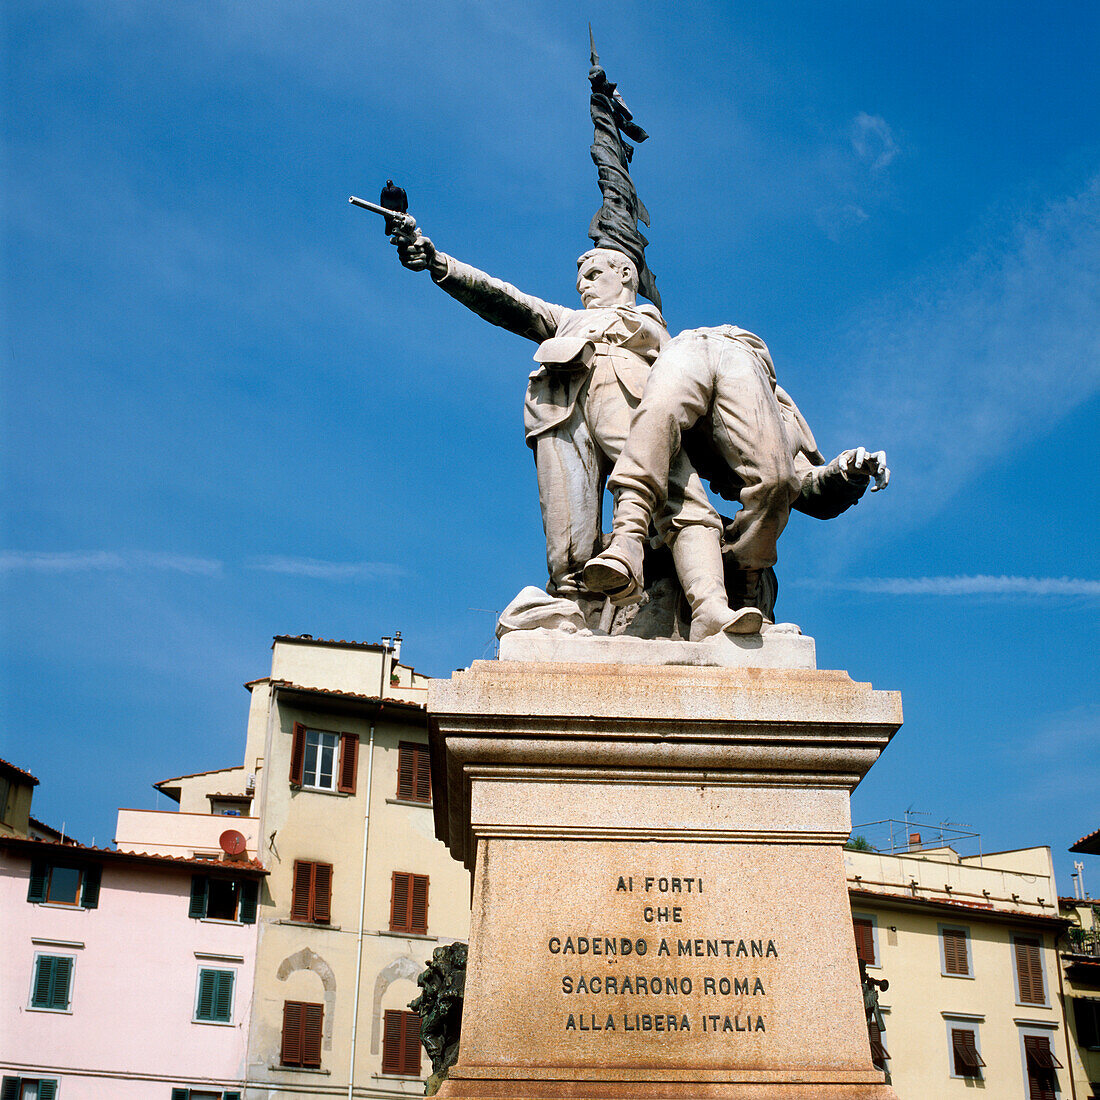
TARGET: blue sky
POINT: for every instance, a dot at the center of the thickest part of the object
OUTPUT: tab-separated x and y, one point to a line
228	413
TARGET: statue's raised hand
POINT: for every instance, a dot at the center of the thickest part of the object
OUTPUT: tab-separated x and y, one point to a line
859	464
414	250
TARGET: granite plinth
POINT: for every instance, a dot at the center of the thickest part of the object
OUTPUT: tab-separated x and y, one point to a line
773	649
660	907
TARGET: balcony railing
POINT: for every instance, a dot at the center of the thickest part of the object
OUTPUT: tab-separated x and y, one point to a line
1081	941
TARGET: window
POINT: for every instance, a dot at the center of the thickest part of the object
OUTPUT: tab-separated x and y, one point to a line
5	790
59	884
1029	970
214	998
301	1044
324	761
1086	1019
955	951
28	1088
216	898
966	1059
196	1094
409	903
52	982
312	894
401	1043
879	1053
1042	1081
414	774
865	940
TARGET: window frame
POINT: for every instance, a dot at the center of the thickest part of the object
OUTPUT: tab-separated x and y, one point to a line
68	1007
1046	1034
21	1081
345	765
248	899
1036	937
229	1020
873	920
302	1063
40	881
942	930
397	1064
1094	1005
409	928
413	760
318	904
963	1023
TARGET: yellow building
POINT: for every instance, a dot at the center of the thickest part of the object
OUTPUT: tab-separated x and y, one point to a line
1080	956
335	788
16	791
968	945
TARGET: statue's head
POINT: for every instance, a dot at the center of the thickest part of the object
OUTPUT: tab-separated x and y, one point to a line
606	278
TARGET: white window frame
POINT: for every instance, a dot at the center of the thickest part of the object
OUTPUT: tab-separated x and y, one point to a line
940	929
1042	970
963	1023
311	782
877	964
31	1006
1041	1031
232	995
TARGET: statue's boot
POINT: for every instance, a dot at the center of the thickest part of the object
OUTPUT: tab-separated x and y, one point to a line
617	572
697	552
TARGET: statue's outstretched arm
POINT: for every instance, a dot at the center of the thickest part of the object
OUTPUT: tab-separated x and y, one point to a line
834	487
496	301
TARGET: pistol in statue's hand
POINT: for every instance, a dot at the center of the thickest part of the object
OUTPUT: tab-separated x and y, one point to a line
414	250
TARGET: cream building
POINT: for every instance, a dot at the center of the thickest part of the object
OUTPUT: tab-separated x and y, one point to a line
1080	955
968	945
335	788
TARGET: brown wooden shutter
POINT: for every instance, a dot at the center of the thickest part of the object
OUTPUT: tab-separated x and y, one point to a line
1041	1079
303	890
865	940
399	902
410	1053
393	1034
954	952
423	774
322	892
297	754
291	1051
1029	970
879	1053
967	1060
406	771
418	907
312	1019
349	762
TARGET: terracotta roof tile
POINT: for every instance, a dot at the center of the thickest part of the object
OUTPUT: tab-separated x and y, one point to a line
30	845
286	685
1088	844
984	907
20	772
308	639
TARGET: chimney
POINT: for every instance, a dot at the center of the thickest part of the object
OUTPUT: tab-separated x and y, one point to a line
914	841
396	646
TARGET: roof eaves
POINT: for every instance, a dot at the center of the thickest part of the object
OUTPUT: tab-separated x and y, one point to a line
22	773
33	846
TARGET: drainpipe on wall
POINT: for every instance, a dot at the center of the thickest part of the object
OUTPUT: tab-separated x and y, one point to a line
386	650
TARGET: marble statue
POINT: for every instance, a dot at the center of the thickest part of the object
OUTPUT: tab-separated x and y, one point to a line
615	400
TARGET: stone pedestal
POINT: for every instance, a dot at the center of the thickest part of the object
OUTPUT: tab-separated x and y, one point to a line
660	908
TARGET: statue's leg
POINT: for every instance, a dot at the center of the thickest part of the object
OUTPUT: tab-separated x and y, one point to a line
568	465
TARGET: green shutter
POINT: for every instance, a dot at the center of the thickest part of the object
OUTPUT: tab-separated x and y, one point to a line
208	982
180	1094
10	1089
223	997
89	894
59	988
47	1089
36	890
198	897
250	892
43	981
231	1096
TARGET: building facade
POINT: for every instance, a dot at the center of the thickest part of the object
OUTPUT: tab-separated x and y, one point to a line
968	946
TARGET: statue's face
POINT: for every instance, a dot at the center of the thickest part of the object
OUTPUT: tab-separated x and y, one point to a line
600	284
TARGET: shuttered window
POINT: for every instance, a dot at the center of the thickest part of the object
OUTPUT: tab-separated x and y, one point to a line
1029	970
324	761
1086	1020
409	903
301	1045
311	897
1042	1081
414	774
879	1053
214	999
52	982
401	1043
202	1094
61	885
956	959
865	940
217	898
16	1088
965	1059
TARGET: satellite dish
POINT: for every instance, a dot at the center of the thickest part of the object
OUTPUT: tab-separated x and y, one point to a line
232	842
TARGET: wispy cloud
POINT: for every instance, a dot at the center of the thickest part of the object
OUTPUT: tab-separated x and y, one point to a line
979	585
80	561
327	570
873	140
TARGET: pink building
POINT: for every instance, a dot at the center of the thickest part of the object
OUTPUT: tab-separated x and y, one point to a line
125	975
